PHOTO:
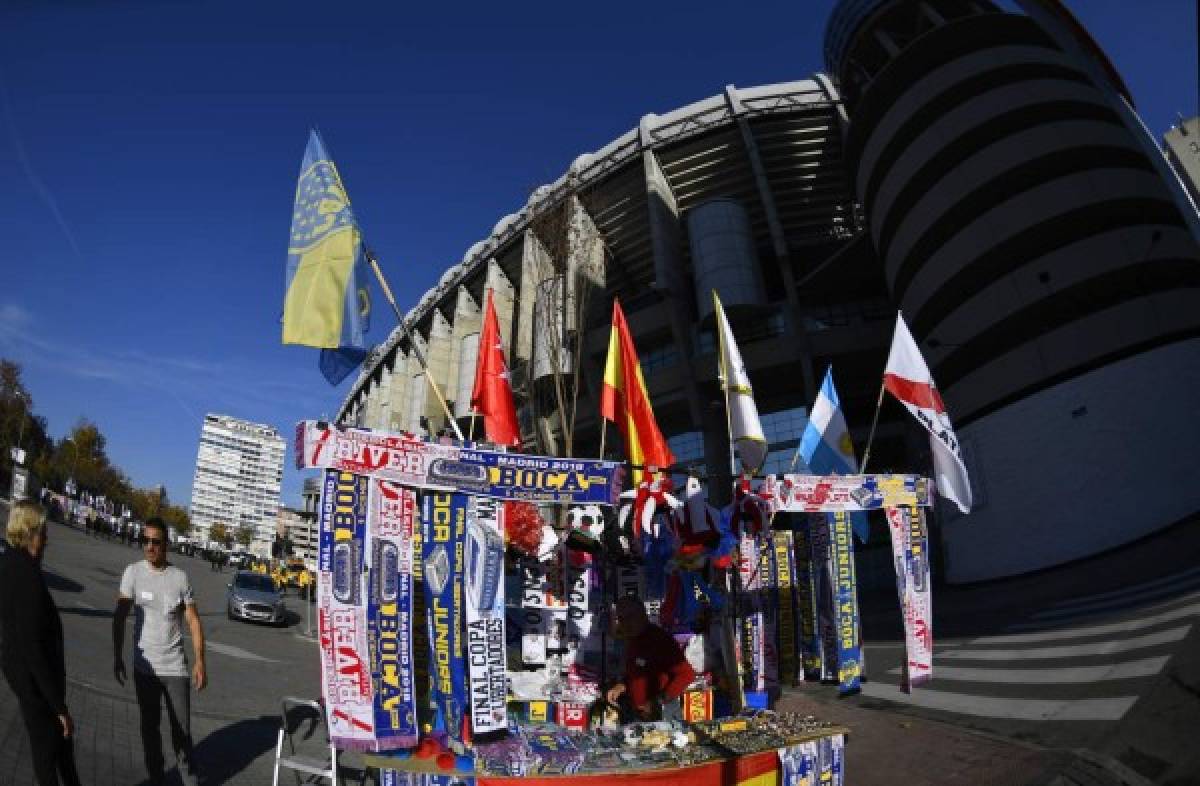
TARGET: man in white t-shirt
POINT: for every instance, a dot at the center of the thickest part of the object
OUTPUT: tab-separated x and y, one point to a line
160	595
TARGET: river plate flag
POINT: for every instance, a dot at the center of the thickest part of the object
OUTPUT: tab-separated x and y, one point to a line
907	378
910	551
326	302
745	428
341	612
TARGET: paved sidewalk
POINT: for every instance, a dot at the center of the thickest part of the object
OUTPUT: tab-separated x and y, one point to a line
108	746
885	748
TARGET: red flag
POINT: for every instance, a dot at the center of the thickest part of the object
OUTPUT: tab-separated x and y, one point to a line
491	396
625	401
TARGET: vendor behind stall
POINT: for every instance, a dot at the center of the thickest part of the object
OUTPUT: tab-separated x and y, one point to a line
655	669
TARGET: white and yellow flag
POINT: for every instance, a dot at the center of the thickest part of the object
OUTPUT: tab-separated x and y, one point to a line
745	430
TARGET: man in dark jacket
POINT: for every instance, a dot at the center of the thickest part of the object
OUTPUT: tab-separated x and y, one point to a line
31	648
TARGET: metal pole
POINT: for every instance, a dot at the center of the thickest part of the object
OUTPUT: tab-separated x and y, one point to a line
308	590
387	292
862	469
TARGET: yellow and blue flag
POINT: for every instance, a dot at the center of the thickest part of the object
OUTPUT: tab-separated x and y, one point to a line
326	302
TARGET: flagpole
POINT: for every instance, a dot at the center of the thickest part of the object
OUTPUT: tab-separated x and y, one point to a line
471	431
387	292
862	468
723	376
603	433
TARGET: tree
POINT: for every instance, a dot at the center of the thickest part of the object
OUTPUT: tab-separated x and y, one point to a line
177	518
19	426
245	535
569	264
219	533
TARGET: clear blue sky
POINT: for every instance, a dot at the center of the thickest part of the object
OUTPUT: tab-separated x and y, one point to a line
149	152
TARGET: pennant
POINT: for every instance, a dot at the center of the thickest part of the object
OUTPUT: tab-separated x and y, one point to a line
625	401
326	302
745	430
825	445
491	395
907	378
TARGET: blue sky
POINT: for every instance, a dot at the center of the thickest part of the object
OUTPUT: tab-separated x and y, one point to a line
149	152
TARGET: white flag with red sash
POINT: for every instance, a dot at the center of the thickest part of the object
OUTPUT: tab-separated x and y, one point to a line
907	378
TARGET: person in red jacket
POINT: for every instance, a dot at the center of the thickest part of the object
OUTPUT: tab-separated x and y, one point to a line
655	668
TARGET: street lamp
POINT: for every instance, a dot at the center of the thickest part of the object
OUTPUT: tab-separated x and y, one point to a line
310	495
20	476
21	394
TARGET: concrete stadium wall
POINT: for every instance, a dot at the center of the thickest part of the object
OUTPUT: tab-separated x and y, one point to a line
1121	464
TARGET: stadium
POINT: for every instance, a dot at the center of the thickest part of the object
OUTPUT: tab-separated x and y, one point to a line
981	169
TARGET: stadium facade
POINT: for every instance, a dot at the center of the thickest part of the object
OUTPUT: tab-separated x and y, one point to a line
983	170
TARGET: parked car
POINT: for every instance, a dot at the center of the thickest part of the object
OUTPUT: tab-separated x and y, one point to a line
252	597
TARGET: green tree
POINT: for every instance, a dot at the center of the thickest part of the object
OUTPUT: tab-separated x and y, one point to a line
219	533
177	518
245	535
20	426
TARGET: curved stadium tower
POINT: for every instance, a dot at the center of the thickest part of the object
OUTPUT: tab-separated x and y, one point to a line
981	170
1037	246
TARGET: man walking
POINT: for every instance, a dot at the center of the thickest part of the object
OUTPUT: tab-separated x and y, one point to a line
160	595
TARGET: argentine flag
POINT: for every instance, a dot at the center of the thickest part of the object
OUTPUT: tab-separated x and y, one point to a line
826	447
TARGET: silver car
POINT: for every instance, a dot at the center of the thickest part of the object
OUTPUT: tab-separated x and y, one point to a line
252	597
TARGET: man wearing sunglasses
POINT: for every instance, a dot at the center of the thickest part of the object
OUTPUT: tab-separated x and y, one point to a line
160	595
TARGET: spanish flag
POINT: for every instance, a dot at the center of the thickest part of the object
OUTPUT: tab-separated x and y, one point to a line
624	400
326	304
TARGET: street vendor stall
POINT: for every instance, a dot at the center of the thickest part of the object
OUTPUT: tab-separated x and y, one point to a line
465	638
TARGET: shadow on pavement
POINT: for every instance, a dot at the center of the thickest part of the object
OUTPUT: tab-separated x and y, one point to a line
86	612
61	583
229	750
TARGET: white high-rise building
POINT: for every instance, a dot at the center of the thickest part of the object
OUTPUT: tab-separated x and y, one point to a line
239	471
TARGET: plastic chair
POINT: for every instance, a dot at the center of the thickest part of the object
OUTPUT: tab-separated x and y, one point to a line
295	713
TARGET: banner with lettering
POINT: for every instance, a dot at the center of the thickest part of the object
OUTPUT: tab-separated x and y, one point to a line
833	493
448	468
787	629
841	548
823	579
819	762
346	681
483	583
750	613
910	551
390	529
770	614
443	536
806	599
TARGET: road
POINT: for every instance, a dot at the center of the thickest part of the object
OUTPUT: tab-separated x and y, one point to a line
234	721
250	666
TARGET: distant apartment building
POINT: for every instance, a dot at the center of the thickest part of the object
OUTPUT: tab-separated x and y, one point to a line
239	471
300	530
